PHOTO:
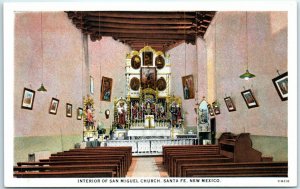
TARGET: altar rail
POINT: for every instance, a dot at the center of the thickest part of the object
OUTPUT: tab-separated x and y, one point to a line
150	147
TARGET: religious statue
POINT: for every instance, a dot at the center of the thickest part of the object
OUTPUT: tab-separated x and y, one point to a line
135	111
174	113
90	117
121	114
89	113
161	111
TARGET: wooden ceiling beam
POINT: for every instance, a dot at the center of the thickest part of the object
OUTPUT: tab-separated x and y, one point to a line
138	20
141	31
148	41
144	39
150	44
149	36
150	15
135	26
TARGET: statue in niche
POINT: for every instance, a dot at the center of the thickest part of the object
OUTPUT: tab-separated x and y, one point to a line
174	113
161	114
121	114
135	111
89	113
90	117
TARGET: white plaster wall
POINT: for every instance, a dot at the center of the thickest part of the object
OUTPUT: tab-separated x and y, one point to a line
62	68
107	58
202	69
267	52
183	60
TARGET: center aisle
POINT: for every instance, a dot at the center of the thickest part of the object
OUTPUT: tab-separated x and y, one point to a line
145	167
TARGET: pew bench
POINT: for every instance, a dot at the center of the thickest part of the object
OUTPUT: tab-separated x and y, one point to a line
66	174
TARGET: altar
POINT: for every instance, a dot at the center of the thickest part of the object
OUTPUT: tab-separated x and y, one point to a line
155	133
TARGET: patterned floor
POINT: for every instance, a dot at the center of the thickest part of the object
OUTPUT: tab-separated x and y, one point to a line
146	167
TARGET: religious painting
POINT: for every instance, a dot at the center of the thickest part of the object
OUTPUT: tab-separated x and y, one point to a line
106	88
28	98
249	98
147	58
53	106
188	87
136	62
159	62
91	85
68	110
210	110
148	78
161	84
229	104
79	113
134	84
216	107
281	85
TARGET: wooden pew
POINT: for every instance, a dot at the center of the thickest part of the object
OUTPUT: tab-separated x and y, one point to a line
99	162
95	153
184	169
91	158
170	154
126	149
201	160
103	167
167	149
65	174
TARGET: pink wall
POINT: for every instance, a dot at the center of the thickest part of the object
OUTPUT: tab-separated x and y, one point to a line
267	52
66	73
183	60
107	58
62	47
66	76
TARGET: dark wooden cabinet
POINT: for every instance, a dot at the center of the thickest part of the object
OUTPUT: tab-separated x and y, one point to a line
238	147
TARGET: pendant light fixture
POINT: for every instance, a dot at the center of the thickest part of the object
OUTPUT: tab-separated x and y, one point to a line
247	75
216	104
42	88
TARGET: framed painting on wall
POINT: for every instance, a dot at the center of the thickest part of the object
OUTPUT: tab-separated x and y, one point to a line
136	62
53	106
188	87
281	85
229	104
79	113
216	107
28	98
148	77
134	84
106	88
147	58
69	110
161	84
159	62
249	98
210	110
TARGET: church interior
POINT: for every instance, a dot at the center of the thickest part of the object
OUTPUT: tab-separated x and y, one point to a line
178	94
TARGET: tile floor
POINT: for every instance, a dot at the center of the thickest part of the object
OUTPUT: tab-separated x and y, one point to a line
147	167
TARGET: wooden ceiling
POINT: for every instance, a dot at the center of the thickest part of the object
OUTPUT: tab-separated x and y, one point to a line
160	30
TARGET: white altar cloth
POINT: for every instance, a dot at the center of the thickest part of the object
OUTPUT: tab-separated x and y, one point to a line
149	132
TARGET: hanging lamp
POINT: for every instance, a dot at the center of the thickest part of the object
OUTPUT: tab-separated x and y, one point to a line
247	75
42	88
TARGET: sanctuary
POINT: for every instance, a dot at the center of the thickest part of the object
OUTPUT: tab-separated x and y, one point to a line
149	115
